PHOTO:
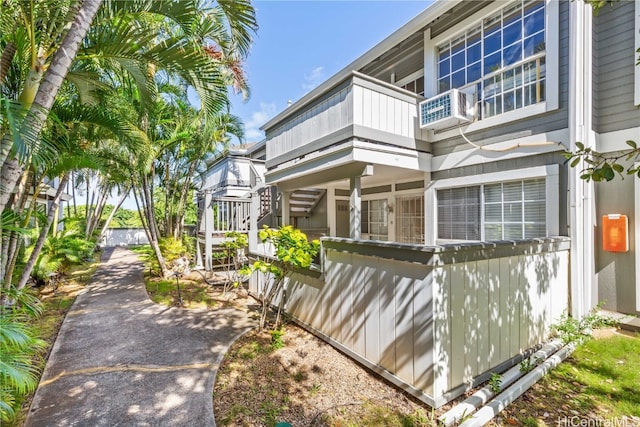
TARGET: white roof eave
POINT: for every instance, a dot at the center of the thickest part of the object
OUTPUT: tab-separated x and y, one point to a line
437	8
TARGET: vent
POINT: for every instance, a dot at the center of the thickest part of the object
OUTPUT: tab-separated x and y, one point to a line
446	110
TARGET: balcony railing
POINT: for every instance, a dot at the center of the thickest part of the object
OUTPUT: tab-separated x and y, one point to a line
360	107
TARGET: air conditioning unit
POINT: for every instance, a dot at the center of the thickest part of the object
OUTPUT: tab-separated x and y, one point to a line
446	110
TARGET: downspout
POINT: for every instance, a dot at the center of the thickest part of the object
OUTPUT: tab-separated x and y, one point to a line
581	201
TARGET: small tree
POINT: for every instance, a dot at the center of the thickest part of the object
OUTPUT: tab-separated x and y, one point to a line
293	251
232	254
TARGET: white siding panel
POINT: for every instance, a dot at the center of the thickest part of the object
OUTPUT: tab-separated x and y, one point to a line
458	317
494	312
442	324
372	311
506	314
482	278
404	294
387	283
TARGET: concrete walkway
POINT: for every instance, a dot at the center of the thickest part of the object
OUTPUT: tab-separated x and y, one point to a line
121	360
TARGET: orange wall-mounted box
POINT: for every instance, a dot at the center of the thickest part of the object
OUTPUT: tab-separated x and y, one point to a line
615	233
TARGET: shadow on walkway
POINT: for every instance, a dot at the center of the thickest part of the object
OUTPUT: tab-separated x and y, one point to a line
120	359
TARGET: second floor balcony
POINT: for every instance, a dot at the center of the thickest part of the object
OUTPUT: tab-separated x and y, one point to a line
358	108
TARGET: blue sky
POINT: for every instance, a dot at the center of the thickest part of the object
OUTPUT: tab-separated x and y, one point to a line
302	43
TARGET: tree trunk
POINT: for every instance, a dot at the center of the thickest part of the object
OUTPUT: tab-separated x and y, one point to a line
141	214
28	268
94	220
123	196
73	195
51	83
153	227
182	202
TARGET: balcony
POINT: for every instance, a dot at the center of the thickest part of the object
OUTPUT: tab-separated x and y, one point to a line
359	108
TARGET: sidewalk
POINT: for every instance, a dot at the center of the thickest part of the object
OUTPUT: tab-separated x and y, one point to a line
122	360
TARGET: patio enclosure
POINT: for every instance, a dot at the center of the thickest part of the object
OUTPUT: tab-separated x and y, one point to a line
434	320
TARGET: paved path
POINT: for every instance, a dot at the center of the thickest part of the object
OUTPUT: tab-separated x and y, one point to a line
121	360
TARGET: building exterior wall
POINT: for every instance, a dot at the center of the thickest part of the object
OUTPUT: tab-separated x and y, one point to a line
613	68
449	142
616	271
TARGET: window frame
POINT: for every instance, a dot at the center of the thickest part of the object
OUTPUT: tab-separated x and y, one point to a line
636	97
552	77
552	188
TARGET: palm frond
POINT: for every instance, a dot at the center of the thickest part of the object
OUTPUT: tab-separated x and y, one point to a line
241	19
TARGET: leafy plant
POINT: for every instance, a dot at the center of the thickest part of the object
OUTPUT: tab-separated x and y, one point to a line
276	338
604	166
172	249
69	247
292	250
527	364
18	343
495	382
232	254
570	329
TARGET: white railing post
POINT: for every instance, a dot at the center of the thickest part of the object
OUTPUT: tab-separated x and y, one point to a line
208	229
355	201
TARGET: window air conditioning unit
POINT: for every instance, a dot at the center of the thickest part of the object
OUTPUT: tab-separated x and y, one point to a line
446	110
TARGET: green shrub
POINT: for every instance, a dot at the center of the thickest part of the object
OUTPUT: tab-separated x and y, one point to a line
172	249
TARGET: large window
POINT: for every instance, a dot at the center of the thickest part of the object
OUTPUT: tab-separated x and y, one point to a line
500	211
500	61
374	220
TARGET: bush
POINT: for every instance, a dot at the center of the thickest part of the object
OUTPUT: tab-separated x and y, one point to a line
172	249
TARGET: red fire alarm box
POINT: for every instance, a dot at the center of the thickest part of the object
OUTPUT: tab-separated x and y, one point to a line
615	234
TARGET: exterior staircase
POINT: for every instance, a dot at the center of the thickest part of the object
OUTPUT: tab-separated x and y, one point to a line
303	201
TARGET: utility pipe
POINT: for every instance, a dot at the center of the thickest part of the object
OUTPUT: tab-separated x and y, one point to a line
482	396
501	401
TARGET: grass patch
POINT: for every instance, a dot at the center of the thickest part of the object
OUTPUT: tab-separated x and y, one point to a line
598	382
194	294
377	414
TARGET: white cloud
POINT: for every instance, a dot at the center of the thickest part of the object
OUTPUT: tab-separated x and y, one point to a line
313	78
252	130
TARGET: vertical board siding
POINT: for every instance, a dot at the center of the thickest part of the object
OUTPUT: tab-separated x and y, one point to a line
435	326
353	105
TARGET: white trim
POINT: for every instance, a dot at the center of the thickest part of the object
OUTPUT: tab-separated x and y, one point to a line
636	221
636	98
552	55
410	78
551	173
581	193
616	140
475	156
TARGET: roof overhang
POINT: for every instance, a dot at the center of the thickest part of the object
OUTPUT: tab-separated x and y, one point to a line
419	23
348	159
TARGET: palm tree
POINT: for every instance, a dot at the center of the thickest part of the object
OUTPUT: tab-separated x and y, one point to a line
130	43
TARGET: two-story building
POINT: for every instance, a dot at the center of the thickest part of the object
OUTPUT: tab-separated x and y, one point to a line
456	231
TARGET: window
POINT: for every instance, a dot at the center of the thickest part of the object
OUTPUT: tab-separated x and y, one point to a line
374	221
500	211
501	60
416	86
459	213
410	219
